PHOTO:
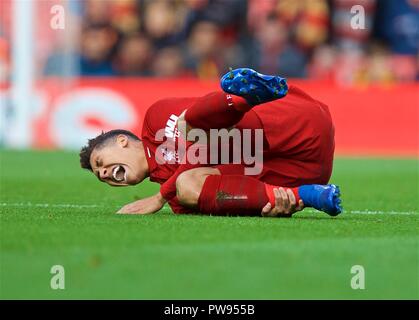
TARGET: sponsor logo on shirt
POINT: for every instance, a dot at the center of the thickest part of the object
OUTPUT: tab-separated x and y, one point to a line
170	156
171	132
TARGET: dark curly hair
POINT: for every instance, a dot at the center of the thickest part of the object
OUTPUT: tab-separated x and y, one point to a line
99	142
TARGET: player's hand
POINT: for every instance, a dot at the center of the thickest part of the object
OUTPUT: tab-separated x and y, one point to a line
285	204
144	206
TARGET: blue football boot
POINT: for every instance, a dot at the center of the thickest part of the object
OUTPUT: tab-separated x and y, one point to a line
255	87
321	197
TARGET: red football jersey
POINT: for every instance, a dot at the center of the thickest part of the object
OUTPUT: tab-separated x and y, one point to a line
163	158
298	142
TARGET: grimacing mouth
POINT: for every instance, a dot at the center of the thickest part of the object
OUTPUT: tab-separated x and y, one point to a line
119	174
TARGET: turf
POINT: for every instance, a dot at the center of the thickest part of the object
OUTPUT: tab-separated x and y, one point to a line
53	213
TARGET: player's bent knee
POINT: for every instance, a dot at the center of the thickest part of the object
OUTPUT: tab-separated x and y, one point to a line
189	185
187	189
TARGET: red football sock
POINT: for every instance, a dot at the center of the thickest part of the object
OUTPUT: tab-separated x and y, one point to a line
235	195
216	110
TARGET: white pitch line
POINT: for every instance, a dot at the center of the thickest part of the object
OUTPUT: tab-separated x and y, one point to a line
48	205
86	206
382	212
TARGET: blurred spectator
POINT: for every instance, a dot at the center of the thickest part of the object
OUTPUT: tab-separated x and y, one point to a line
134	56
223	13
305	38
344	35
203	52
351	67
273	53
306	20
97	44
286	32
162	22
380	69
124	16
97	11
168	63
323	63
398	25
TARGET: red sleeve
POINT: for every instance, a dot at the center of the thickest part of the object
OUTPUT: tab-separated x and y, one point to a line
160	112
157	117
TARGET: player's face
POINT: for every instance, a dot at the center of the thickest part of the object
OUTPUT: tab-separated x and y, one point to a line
118	163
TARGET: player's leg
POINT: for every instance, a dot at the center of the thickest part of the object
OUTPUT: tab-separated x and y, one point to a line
212	193
246	89
310	176
253	86
189	185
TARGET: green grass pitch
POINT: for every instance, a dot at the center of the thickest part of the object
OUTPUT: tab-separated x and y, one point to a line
53	213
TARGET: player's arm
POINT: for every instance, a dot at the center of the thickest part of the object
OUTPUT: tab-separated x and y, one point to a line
155	119
184	128
144	206
156	202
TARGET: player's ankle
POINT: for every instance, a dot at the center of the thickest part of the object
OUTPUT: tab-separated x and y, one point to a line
271	196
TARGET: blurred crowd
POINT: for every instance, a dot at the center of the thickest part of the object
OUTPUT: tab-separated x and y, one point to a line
294	38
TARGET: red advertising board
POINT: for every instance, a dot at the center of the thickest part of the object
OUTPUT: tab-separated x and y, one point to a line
369	121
